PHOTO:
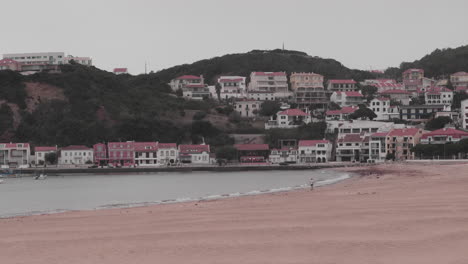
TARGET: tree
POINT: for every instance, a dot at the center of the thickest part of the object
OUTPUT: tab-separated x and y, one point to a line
269	108
179	92
438	123
6	118
369	91
199	115
218	90
457	99
334	106
364	113
390	156
226	152
51	158
420	100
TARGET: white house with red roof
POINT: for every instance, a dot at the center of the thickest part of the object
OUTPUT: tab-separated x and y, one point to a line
193	87
118	71
341	85
398	95
314	151
443	136
10	64
459	79
75	155
438	96
146	154
15	155
272	82
289	118
41	152
400	141
347	98
283	155
194	154
232	87
382	108
341	114
168	153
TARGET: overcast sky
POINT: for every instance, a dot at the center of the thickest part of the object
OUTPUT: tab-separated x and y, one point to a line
361	34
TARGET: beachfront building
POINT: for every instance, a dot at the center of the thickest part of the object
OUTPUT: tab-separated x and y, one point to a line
75	155
464	114
10	64
289	118
283	155
271	82
100	154
121	153
400	141
349	148
443	136
308	90
232	87
438	96
261	95
168	153
341	114
382	108
194	154
247	107
15	155
193	87
252	153
397	95
347	98
41	152
459	79
118	71
418	112
146	153
377	147
314	151
413	79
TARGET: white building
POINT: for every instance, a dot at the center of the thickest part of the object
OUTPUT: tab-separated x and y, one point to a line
341	114
438	96
383	110
364	127
459	79
193	87
314	151
349	148
289	118
168	153
75	155
347	98
261	95
41	152
272	82
146	153
464	114
247	107
283	155
377	147
232	87
15	155
195	154
50	58
80	60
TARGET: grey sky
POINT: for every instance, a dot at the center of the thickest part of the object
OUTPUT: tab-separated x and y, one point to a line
124	33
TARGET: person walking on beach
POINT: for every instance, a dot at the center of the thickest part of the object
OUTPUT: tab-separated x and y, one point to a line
312	182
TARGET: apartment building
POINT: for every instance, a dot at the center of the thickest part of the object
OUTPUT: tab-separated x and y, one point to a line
193	87
347	98
413	79
37	58
314	151
247	107
272	82
400	141
121	153
283	155
377	147
308	90
146	153
443	136
464	114
15	155
418	112
261	95
362	127
232	87
438	96
168	153
349	148
459	79
289	118
397	95
41	152
341	86
75	155
382	108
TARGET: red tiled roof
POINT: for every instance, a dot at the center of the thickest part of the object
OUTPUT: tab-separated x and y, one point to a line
167	145
231	80
194	149
344	110
120	70
401	132
8	61
145	146
350	94
251	146
394	91
76	147
311	143
379	134
461	88
383	99
269	73
437	90
350	81
188	77
454	133
351	138
38	149
293	112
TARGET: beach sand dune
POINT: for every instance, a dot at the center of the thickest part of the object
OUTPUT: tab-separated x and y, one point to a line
403	213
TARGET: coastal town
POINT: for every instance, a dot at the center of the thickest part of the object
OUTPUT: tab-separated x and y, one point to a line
368	121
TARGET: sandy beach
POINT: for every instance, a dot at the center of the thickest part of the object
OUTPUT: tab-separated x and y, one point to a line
399	213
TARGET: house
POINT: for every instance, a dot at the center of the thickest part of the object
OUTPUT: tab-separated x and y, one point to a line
413	79
118	71
15	155
443	136
382	108
397	95
349	148
400	141
314	151
438	96
283	155
341	114
273	82
383	84
121	153
10	64
464	114
261	95
289	118
459	79
146	153
232	87
168	153
377	147
100	154
195	154
347	98
75	155
247	107
193	87
341	86
418	112
41	152
252	153
308	90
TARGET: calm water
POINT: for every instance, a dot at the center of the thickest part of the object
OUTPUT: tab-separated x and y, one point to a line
24	196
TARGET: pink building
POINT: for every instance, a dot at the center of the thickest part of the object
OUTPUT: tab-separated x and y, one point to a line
100	154
146	153
121	153
9	64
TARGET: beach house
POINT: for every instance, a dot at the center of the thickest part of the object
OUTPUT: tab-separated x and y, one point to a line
167	153
314	151
194	154
146	153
